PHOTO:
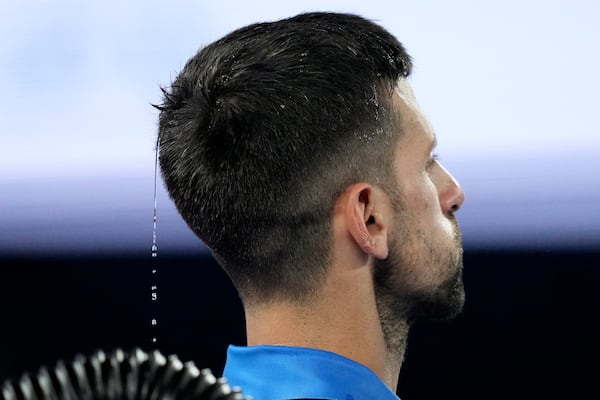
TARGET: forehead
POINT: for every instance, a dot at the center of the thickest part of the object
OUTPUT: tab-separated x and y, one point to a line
414	122
405	91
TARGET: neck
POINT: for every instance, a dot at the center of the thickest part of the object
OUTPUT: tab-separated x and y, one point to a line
348	325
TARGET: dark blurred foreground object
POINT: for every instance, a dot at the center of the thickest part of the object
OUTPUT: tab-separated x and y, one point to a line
136	375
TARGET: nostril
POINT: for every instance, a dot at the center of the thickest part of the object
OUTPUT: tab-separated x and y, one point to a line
454	208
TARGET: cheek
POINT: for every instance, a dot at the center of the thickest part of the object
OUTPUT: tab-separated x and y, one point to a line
425	197
426	207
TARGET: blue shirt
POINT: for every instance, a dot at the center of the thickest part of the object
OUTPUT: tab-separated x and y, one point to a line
281	372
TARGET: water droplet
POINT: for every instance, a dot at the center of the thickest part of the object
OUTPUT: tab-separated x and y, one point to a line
154	248
282	105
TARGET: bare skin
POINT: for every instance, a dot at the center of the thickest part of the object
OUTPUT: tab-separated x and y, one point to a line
344	316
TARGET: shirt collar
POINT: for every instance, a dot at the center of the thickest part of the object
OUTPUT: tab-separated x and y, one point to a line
282	372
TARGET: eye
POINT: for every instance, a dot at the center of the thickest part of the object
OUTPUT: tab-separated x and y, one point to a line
432	161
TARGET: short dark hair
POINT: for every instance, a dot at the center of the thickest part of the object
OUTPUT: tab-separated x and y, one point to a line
263	129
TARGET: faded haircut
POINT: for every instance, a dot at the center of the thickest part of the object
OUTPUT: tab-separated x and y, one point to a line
263	129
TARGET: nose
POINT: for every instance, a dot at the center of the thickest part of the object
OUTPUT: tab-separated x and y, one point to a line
451	194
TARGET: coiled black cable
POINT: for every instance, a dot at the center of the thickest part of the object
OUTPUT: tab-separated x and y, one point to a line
120	375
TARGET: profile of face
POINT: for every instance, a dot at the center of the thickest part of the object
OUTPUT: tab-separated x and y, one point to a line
422	276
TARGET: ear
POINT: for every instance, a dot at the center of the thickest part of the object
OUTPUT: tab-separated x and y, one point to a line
364	221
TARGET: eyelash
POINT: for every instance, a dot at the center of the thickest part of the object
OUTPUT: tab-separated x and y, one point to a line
434	158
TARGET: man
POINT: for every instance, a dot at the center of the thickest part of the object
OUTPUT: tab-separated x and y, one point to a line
297	153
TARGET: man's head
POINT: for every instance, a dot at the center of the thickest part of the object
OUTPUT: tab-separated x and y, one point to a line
263	130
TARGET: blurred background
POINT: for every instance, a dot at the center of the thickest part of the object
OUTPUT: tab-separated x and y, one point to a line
510	87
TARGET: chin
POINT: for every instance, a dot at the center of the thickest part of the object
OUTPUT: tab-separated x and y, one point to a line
422	277
444	301
444	298
440	301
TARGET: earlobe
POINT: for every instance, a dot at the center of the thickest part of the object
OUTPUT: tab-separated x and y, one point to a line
365	224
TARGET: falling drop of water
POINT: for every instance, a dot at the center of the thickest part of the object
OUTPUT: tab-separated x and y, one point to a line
154	249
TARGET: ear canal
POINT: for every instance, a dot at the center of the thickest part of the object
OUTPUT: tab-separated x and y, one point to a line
371	220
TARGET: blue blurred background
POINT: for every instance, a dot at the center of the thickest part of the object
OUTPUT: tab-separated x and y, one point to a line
511	89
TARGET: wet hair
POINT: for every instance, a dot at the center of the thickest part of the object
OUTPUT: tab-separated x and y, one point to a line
263	129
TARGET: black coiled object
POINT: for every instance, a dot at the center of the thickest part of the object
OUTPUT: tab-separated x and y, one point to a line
120	375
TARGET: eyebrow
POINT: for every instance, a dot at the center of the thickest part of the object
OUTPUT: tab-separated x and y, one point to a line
434	143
